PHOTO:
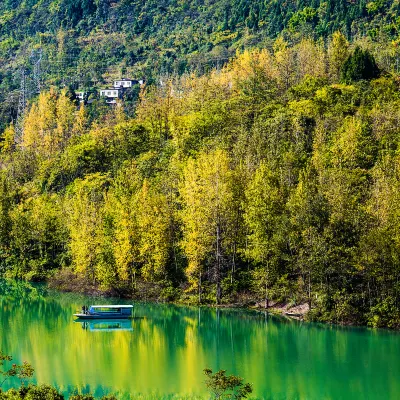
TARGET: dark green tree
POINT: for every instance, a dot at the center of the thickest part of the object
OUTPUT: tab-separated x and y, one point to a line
360	65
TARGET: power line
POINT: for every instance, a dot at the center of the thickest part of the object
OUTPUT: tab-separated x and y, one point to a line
31	83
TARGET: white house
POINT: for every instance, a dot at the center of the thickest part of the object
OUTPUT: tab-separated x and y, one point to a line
111	94
124	83
80	96
127	83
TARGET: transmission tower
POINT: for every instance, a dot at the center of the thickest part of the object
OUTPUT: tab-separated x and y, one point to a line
36	57
23	99
30	84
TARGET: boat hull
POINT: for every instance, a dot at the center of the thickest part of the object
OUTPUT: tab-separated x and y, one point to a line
95	316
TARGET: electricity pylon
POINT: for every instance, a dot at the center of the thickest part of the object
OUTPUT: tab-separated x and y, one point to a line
23	99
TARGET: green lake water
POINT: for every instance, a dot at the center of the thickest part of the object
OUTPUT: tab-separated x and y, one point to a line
165	348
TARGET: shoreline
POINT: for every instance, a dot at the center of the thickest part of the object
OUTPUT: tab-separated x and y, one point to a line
71	283
298	312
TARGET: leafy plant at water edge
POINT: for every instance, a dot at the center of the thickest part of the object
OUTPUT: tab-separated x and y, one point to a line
224	386
23	372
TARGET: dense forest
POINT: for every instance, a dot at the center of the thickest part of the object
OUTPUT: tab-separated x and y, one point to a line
274	178
86	43
259	165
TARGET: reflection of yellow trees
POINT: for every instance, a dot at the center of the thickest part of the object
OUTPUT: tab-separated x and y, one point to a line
167	350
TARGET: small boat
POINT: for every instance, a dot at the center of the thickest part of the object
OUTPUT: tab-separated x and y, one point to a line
106	312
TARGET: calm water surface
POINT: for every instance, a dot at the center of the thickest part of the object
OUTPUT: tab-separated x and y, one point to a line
166	347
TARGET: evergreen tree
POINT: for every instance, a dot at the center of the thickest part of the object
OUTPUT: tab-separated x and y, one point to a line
360	65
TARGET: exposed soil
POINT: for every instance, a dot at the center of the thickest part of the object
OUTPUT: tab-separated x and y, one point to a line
298	311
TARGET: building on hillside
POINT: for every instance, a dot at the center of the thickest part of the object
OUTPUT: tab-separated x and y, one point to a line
80	95
111	94
127	83
124	83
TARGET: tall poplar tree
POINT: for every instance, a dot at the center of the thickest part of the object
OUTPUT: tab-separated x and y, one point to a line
263	215
206	216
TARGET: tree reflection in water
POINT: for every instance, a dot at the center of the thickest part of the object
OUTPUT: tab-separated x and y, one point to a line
165	348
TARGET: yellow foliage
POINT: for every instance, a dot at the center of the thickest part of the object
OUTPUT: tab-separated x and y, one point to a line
48	125
153	224
303	108
9	139
65	111
344	149
338	52
207	198
80	121
310	59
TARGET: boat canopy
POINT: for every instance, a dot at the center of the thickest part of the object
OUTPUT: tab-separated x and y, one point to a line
107	311
113	306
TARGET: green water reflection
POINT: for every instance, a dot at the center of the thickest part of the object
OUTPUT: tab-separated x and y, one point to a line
165	348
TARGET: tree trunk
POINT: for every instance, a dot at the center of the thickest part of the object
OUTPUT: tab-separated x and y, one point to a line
369	294
218	271
233	263
266	287
218	293
200	287
309	290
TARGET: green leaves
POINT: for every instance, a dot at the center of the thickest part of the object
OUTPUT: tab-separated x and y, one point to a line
23	372
265	179
307	15
361	65
222	386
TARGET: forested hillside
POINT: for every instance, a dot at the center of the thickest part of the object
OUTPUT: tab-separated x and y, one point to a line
260	163
87	43
274	178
